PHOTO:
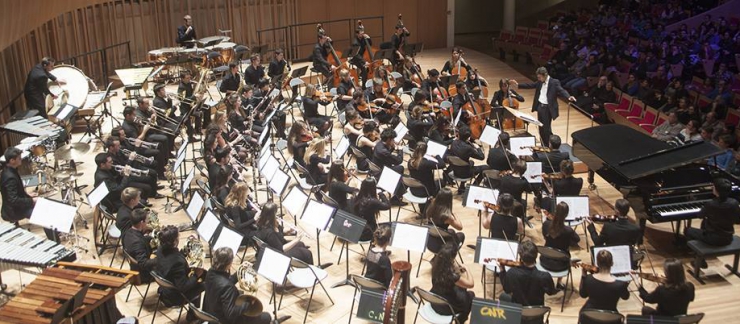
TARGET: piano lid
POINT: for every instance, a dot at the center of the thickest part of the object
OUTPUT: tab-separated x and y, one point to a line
632	153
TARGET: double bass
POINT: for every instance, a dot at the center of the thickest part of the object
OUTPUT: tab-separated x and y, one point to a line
369	54
334	59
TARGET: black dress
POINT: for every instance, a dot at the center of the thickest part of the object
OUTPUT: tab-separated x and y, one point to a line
368	209
562	242
459	298
339	191
501	224
379	267
316	175
602	295
243	219
425	174
672	301
362	164
276	240
311	112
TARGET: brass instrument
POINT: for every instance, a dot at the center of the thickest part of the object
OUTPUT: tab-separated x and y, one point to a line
194	252
152	125
144	144
248	284
137	157
152	221
132	171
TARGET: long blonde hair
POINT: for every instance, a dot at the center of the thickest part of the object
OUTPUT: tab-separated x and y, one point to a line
418	155
310	90
237	196
316	146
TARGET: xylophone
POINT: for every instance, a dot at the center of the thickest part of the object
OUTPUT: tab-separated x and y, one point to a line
81	292
20	248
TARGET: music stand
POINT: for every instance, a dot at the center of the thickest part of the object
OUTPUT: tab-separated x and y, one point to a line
388	181
228	238
318	215
53	215
195	207
409	237
209	227
401	131
474	193
622	256
342	147
295	203
490	135
297	73
650	319
347	227
273	266
97	195
489	248
521	145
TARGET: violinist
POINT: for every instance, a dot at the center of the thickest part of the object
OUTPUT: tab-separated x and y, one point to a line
440	217
502	224
367	205
255	72
353	127
551	160
563	184
433	87
421	168
418	124
311	101
378	262
456	62
338	185
515	183
316	161
503	96
384	156
525	284
499	156
320	52
602	289
420	100
673	296
345	89
366	144
621	232
361	41
452	282
298	138
440	131
560	237
378	97
466	150
398	40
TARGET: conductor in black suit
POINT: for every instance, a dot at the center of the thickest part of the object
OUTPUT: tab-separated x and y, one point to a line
186	32
546	104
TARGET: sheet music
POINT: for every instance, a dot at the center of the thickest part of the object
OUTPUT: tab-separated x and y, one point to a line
187	182
64	113
195	206
208	226
457	117
178	162
278	182
490	135
263	135
134	76
435	149
295	200
517	143
524	116
183	146
229	238
273	266
534	172
482	194
388	179
621	255
342	147
97	195
271	166
262	161
577	206
497	249
401	131
264	150
317	214
410	237
53	215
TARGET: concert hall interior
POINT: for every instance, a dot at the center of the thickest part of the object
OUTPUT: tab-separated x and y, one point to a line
296	161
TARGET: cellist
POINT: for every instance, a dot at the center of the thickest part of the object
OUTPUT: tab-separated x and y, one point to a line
433	87
503	96
455	64
361	41
320	52
398	40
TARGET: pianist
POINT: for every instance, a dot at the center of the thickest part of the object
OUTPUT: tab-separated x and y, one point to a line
718	215
37	87
138	247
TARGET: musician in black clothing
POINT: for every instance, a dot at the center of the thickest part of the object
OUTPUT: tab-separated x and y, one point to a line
37	87
367	205
345	90
231	81
568	185
499	156
474	80
361	41
560	237
117	182
452	282
269	232
137	145
316	161
502	224
311	104
378	262
164	105
150	179
377	95
525	284
221	293
138	246
223	157
673	296
422	169
514	183
338	185
602	289
418	125
130	198
718	217
240	211
383	156
397	41
278	66
440	132
465	150
620	232
172	265
503	94
186	33
320	64
265	109
185	91
551	160
17	203
432	86
144	113
254	72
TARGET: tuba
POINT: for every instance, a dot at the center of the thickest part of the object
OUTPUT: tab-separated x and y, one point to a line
247	277
194	252
152	221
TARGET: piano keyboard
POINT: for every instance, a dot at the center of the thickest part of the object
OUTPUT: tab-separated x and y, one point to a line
681	209
20	248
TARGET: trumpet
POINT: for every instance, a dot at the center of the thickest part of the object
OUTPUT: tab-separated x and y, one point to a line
298	230
134	172
137	157
144	144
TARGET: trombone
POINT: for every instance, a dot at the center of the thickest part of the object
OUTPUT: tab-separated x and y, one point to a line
145	122
163	115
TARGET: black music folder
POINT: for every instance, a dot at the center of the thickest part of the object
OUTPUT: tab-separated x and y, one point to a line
347	226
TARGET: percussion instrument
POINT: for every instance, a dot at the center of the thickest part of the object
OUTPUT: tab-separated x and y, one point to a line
227	51
84	293
73	151
20	248
163	54
73	92
394	301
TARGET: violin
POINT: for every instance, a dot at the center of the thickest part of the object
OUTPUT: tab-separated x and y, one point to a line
486	204
326	95
504	262
552	176
651	277
306	137
586	267
536	148
599	218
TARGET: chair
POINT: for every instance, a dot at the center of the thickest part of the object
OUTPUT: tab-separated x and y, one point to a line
201	315
112	232
553	253
635	110
374	168
304	276
436	232
218	207
648	119
136	282
164	283
357	154
690	318
625	102
428	313
303	182
360	284
410	182
456	161
602	316
319	76
533	313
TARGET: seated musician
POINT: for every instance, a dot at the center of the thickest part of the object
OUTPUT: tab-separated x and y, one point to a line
353	127
499	156
420	98
223	158
458	101
502	224
222	182
525	284
166	109
383	156
311	101
221	292
345	90
558	236
669	129
317	162
138	146
408	72
440	216
418	125
718	217
231	81
186	92
269	232
672	296
114	149
338	185
239	118
137	245
454	62
378	262
514	183
298	138
116	181
278	118
379	97
366	144
278	66
602	289
210	145
172	265
566	185
367	206
130	198
619	232
474	80
318	57
255	72
433	87
440	132
464	149
239	210
505	96
146	133
422	169
361	41
551	160
452	282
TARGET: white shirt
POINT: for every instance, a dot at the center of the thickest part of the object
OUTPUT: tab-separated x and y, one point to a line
543	91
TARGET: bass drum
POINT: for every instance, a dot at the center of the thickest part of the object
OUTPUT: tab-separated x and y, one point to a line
74	92
227	51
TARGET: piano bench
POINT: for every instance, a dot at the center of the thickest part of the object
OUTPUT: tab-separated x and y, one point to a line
704	250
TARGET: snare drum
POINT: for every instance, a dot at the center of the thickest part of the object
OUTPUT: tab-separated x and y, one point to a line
227	51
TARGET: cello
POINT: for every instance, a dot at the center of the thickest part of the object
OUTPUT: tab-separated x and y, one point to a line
334	59
476	115
511	122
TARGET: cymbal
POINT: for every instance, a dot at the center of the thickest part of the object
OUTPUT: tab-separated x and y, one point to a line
73	151
66	175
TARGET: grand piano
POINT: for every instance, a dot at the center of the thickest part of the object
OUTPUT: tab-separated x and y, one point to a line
672	183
